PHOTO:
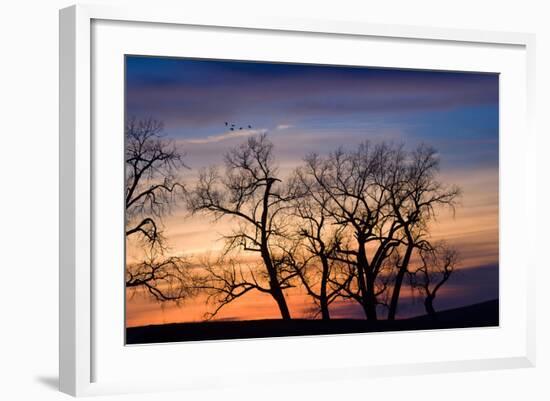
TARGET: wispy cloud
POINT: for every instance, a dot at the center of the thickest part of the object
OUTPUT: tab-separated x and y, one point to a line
284	126
194	94
226	135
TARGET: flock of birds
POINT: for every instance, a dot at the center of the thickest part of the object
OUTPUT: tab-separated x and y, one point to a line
233	127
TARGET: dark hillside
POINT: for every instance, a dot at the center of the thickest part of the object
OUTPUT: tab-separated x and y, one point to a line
484	314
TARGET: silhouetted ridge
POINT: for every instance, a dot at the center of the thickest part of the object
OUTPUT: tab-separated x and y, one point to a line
485	314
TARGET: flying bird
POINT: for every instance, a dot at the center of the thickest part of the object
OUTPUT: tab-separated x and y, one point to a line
233	127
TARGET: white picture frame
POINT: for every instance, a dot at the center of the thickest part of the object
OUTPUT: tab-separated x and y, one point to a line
80	343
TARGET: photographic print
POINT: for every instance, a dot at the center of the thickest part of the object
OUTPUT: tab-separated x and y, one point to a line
269	199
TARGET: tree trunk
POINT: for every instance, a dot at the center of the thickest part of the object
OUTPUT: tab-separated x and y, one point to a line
274	285
323	299
399	281
428	304
371	298
395	294
366	283
279	297
325	315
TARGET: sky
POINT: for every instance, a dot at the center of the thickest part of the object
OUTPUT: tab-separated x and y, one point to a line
313	108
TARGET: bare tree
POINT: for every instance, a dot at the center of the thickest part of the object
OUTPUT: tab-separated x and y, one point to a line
226	279
152	167
250	192
383	197
163	278
437	264
358	201
416	195
319	239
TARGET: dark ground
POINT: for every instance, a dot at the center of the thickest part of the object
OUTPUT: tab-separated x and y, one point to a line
484	314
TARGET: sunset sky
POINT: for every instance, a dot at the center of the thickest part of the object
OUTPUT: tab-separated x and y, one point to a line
310	108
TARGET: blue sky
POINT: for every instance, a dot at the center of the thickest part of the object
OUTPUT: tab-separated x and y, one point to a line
456	112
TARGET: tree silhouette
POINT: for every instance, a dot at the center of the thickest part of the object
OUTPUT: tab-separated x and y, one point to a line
250	192
164	278
383	198
319	271
437	264
152	166
415	194
345	225
359	204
